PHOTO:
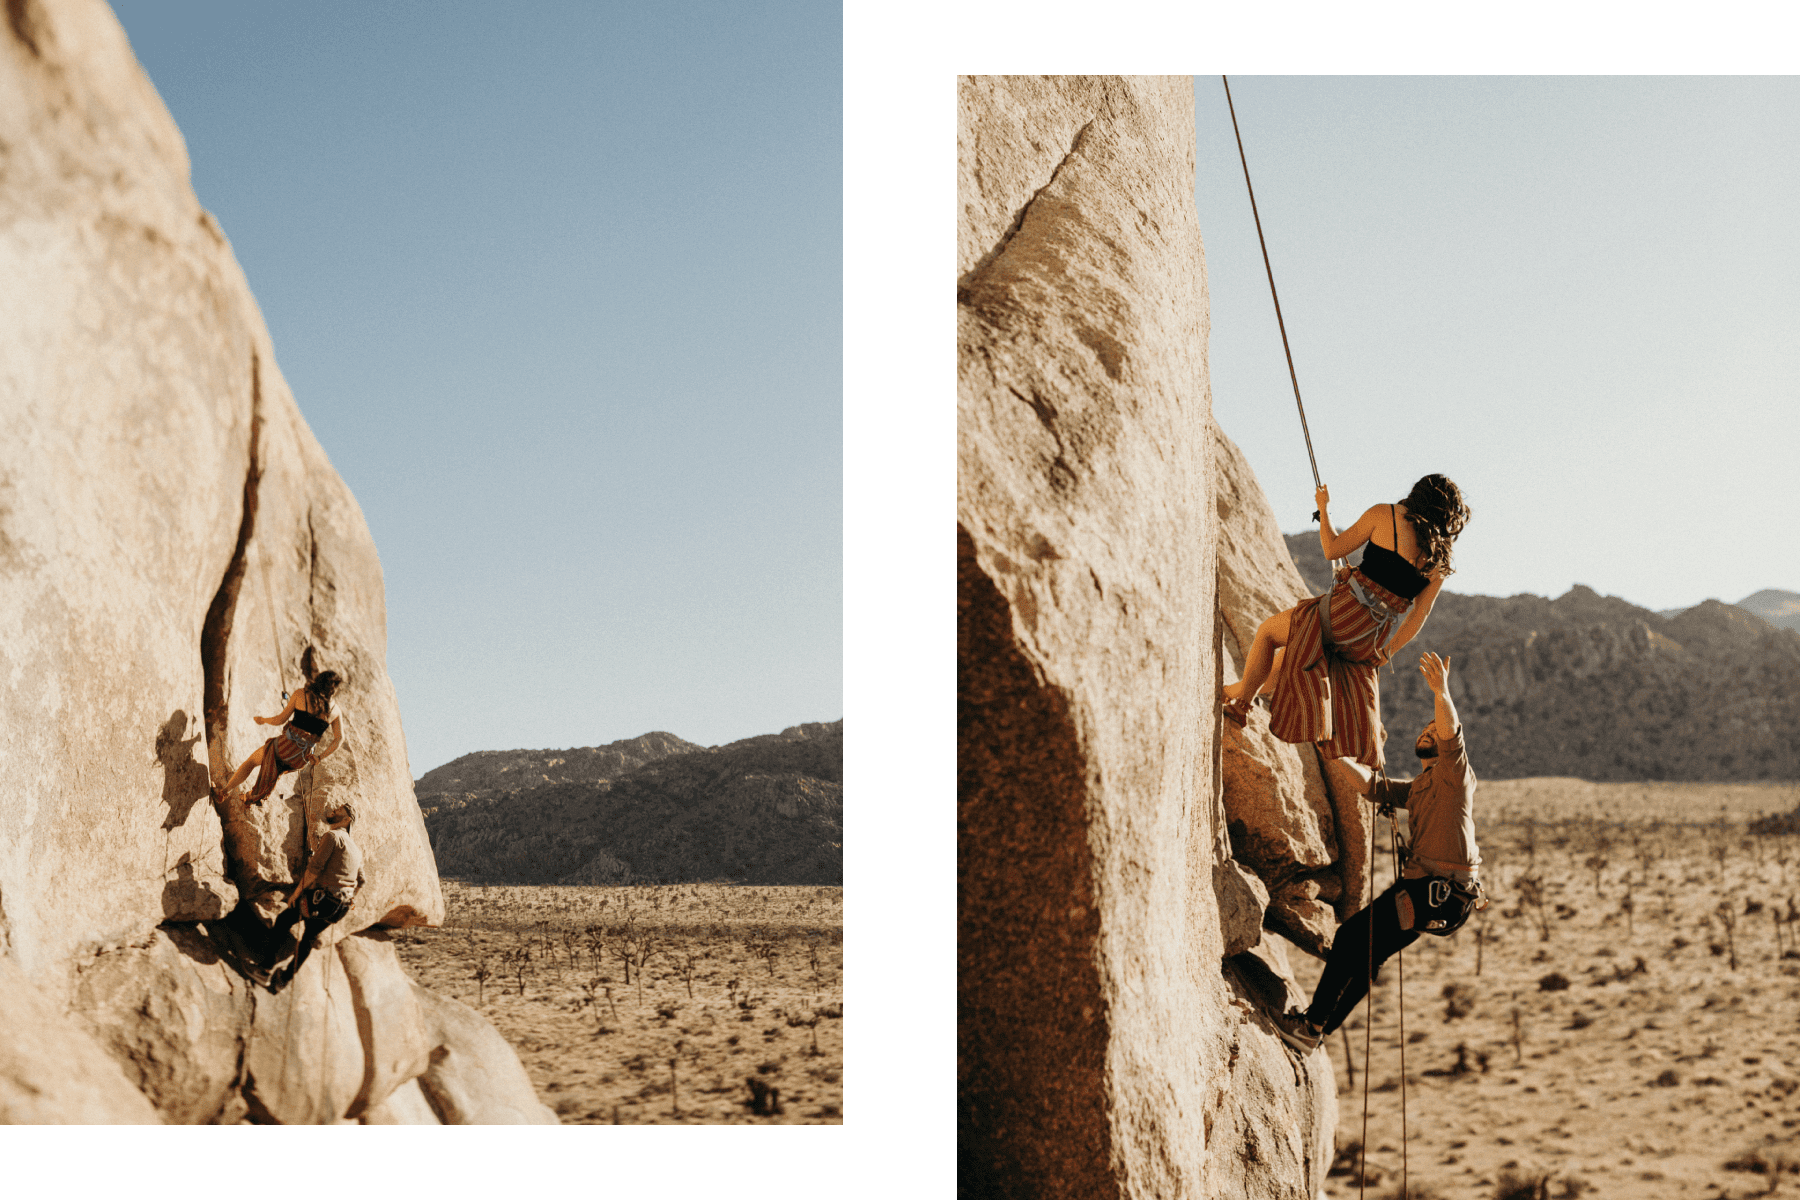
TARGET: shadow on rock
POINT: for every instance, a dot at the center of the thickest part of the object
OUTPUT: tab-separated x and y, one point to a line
188	897
184	778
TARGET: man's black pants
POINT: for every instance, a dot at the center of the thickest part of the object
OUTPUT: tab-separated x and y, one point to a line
323	911
1347	967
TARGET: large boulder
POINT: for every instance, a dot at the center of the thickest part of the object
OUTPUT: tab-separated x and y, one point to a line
1106	1045
305	1062
175	552
173	1014
52	1072
473	1077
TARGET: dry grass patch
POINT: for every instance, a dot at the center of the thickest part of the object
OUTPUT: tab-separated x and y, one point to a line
680	1004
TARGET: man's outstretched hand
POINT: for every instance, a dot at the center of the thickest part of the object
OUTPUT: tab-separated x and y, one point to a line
1436	671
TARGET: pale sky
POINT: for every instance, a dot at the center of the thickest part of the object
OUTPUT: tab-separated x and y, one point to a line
1577	297
557	285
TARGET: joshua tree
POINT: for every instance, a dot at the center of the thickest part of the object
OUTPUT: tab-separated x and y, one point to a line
482	975
1531	893
1597	864
1728	918
685	962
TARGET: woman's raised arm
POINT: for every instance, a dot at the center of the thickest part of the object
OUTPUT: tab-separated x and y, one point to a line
1415	616
280	718
1339	545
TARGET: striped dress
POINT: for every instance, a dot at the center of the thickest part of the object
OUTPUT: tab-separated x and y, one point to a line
1330	694
286	751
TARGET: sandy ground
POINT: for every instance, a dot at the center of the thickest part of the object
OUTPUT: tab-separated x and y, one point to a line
1635	1033
654	1005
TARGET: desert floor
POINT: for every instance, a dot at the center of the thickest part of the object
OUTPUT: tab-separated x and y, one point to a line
654	1005
1625	1019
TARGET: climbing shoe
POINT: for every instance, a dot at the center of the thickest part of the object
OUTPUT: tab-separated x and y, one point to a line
1297	1031
1236	715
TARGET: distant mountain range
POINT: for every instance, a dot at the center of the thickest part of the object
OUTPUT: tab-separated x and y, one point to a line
653	809
1596	687
1780	609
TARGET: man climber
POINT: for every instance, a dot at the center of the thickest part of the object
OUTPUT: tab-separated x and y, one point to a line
333	877
1438	887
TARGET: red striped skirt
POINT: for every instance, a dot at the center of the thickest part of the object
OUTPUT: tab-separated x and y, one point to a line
286	751
1330	694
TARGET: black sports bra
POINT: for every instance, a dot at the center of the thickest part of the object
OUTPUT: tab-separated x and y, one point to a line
307	723
1387	568
317	725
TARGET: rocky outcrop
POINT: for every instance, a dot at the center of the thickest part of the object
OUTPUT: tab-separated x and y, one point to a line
1112	984
175	550
765	810
472	1078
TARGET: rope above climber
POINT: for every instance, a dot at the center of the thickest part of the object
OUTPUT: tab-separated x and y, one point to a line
304	721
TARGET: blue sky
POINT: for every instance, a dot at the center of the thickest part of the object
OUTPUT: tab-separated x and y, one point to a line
558	287
1576	296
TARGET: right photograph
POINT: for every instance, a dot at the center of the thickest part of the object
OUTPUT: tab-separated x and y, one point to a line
1378	664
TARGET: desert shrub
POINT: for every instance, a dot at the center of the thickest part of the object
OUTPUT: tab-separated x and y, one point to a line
1412	1190
1667	1079
1528	1186
1579	1020
1459	1001
1553	982
1752	1162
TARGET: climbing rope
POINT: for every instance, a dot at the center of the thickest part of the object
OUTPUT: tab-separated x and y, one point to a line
1292	375
1362	1166
1400	982
1393	827
1369	1018
274	638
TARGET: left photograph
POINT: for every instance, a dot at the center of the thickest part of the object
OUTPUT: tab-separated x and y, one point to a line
532	478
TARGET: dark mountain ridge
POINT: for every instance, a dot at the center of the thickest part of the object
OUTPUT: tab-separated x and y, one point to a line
1596	687
766	810
489	773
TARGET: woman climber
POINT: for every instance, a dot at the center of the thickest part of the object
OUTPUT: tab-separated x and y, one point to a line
1324	651
304	722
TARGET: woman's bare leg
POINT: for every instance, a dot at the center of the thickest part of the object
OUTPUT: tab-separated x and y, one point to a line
1269	683
243	772
1259	664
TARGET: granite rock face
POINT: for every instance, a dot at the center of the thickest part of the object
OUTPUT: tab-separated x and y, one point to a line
1113	989
473	1077
174	546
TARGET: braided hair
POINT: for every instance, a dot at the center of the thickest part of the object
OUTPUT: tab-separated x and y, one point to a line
1437	514
321	686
